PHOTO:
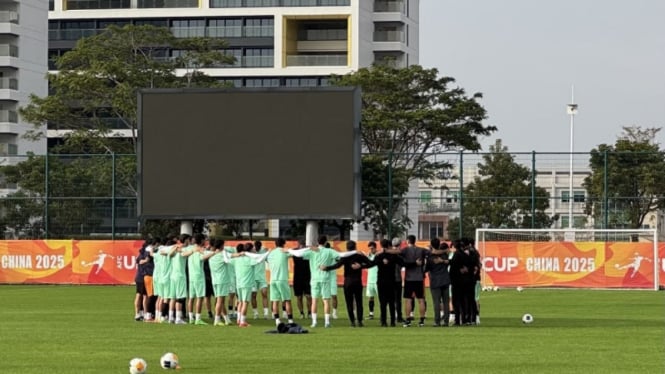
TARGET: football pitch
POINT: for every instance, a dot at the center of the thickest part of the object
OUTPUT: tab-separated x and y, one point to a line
90	329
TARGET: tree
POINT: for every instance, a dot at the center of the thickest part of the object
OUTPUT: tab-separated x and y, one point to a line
94	93
502	196
411	113
634	176
97	83
408	114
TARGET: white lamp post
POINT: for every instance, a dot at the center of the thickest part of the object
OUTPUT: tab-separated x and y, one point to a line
571	110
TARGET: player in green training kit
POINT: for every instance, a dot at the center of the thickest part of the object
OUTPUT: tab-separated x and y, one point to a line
319	258
197	283
261	284
278	264
221	282
177	289
244	270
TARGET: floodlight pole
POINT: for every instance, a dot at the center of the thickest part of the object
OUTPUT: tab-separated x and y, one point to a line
572	110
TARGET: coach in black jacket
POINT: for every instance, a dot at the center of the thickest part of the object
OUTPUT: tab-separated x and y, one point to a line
353	282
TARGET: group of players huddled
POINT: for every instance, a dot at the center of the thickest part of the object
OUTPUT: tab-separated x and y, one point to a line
175	278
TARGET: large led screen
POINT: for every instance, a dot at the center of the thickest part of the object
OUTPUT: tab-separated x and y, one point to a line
242	153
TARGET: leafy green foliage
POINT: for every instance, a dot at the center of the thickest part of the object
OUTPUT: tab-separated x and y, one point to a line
501	197
409	113
634	176
94	94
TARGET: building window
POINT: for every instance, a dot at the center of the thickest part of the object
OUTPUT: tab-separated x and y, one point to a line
426	197
259	28
275	3
188	28
301	82
258	57
95	4
452	197
578	196
168	4
579	222
225	28
262	82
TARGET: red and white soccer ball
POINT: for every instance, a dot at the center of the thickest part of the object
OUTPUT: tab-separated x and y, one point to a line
137	366
169	361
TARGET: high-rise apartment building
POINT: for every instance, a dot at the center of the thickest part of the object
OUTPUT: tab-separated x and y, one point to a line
23	51
276	43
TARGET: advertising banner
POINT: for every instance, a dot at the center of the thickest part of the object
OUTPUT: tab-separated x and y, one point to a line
570	264
505	264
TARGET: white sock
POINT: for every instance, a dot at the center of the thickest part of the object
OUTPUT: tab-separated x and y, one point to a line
242	319
314	318
178	314
327	318
171	315
265	311
197	316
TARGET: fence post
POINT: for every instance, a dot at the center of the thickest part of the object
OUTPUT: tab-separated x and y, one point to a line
390	194
533	189
605	199
461	193
112	195
46	192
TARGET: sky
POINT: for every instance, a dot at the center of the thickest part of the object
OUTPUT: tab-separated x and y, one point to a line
527	57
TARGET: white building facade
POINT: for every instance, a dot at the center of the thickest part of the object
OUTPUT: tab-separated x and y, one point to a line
276	43
23	67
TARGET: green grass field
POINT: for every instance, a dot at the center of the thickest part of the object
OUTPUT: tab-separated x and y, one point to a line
90	329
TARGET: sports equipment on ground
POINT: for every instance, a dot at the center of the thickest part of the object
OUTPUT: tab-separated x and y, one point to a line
520	289
137	366
527	318
169	361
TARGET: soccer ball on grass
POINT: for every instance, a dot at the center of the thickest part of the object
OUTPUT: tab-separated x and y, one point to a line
169	361
137	366
527	318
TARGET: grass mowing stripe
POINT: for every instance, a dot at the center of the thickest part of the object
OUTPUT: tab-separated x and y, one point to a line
90	329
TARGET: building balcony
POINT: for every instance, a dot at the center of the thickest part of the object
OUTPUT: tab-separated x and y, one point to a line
8	149
8	16
317	60
275	3
9	89
72	34
8	50
389	36
383	6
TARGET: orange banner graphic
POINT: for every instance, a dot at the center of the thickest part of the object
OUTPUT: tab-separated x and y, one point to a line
507	264
570	264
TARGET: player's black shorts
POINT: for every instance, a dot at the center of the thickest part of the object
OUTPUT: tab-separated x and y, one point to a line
140	288
301	287
209	289
414	289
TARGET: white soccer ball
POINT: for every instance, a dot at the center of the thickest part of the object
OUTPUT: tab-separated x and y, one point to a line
496	288
520	289
527	318
169	361
137	366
